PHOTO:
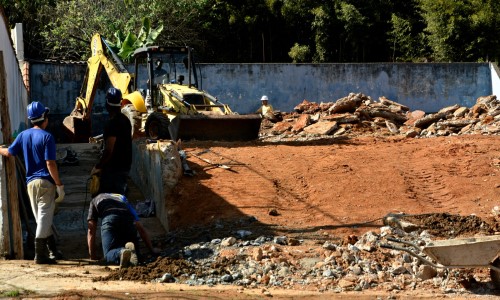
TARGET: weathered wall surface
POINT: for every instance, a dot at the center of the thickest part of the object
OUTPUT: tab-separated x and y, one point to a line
428	87
14	93
156	168
17	95
57	86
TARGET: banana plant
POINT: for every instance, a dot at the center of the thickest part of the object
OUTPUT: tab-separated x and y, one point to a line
126	44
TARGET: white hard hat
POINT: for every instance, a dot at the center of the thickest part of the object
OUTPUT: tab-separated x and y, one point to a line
264	98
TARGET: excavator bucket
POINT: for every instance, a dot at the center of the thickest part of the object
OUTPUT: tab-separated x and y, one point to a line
76	129
215	127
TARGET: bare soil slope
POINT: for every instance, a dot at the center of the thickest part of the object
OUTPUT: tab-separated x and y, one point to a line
342	186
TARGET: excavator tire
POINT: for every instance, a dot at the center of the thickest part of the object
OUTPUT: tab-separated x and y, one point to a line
135	119
157	126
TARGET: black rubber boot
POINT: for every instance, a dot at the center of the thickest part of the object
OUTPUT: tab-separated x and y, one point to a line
53	252
41	256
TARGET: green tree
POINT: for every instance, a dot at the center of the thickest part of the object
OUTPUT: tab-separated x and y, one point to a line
299	53
323	33
406	44
352	38
74	22
485	24
28	12
448	27
465	30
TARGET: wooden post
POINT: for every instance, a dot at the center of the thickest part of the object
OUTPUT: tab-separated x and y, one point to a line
13	241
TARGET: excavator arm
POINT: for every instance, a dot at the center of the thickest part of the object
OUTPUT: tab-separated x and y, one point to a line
78	123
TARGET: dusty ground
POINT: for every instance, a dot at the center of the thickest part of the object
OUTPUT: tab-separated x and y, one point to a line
341	186
327	190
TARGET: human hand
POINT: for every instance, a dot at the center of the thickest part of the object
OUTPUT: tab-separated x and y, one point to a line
60	193
95	171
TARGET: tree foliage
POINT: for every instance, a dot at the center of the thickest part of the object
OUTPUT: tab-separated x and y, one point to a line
126	44
268	30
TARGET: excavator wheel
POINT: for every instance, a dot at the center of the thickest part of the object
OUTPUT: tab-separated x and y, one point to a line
135	119
157	126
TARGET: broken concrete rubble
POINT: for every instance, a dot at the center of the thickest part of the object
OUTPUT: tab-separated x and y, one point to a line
358	114
353	264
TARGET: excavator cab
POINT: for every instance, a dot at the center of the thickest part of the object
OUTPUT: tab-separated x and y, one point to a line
178	107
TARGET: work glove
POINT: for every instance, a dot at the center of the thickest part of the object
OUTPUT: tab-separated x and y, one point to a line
60	193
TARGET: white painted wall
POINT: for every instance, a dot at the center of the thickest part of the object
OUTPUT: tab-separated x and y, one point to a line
17	99
17	95
495	79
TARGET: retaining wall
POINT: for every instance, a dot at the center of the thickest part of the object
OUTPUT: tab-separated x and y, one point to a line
426	86
156	169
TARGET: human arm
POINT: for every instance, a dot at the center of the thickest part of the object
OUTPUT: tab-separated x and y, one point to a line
91	236
106	155
5	152
145	237
54	173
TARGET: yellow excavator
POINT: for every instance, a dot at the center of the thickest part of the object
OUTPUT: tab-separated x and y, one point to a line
162	98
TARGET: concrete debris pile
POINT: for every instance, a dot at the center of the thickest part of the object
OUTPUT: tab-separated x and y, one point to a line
358	115
352	264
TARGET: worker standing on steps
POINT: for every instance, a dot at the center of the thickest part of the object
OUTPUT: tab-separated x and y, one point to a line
38	148
114	164
266	110
119	227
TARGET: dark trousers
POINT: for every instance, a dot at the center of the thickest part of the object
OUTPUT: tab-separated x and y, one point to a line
116	231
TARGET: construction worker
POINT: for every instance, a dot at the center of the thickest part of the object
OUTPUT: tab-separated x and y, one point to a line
116	160
119	227
160	74
38	148
266	110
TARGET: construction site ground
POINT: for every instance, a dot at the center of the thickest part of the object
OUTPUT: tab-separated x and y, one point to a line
332	189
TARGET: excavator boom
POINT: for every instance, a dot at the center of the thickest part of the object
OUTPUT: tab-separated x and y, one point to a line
78	124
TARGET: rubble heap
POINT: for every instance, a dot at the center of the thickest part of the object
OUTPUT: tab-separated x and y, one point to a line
246	259
358	115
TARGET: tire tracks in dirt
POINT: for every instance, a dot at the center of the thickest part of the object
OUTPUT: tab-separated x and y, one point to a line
424	182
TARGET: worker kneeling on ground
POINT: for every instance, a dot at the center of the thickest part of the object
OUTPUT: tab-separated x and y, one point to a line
119	228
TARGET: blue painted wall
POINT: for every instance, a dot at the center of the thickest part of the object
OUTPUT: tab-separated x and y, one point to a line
427	86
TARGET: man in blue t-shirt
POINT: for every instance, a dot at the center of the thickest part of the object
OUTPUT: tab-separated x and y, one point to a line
38	148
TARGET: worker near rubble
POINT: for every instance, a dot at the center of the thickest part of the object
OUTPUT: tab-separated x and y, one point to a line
38	148
119	228
266	110
114	165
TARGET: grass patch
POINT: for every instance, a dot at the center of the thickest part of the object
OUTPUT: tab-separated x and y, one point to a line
14	293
